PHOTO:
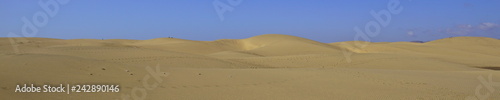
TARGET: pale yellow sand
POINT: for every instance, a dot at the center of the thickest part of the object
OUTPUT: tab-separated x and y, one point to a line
266	67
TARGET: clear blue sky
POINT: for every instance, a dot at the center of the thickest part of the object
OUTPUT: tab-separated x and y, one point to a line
320	20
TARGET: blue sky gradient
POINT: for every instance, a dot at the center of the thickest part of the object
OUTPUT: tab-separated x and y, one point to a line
321	20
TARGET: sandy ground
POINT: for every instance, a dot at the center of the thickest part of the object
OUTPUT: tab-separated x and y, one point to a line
265	67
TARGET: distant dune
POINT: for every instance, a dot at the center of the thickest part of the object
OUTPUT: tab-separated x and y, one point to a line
264	67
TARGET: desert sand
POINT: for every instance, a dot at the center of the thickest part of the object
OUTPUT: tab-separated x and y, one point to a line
265	67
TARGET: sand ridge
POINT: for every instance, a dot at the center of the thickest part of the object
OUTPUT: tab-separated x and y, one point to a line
269	67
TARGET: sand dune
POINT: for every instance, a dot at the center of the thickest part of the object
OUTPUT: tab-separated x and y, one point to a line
268	67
